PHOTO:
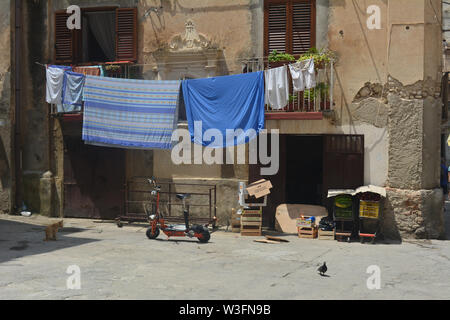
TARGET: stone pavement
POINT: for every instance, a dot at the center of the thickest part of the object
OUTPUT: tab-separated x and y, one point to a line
123	264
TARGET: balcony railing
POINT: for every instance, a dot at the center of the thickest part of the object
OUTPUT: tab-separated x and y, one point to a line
313	101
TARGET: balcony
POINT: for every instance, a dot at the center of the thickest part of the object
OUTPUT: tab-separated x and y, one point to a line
305	105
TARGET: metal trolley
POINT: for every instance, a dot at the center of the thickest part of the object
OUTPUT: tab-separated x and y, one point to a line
370	216
343	214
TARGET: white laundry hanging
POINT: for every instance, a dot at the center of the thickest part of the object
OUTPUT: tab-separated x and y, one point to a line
55	78
277	87
303	75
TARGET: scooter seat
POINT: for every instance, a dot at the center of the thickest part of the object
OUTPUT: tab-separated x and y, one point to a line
178	228
183	196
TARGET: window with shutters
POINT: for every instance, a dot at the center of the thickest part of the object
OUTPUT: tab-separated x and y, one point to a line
289	26
107	34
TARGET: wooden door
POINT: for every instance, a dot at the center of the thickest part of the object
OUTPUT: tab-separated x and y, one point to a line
94	179
343	162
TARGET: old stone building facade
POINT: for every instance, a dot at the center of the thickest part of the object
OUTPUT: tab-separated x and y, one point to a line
386	89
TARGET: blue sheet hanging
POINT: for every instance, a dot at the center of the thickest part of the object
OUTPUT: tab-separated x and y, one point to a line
225	103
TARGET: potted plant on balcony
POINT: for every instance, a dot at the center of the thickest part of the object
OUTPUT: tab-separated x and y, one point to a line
277	59
321	57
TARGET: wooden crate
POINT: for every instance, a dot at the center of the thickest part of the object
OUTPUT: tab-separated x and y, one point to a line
251	223
326	235
307	232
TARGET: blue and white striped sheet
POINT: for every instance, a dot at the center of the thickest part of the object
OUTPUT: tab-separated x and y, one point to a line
139	114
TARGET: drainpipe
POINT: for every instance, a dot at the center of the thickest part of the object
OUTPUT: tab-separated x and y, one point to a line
17	143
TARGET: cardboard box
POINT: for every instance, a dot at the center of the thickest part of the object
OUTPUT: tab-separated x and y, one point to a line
259	188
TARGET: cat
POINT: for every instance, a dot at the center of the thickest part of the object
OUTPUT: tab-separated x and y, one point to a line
51	230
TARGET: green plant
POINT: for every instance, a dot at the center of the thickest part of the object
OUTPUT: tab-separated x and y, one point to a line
293	98
321	90
276	56
321	57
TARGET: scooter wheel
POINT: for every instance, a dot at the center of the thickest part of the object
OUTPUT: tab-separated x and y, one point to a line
152	235
205	236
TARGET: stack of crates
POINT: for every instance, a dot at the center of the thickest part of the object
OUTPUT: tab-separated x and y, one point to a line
251	222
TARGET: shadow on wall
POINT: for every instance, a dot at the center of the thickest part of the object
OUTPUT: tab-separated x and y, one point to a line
19	239
5	172
389	226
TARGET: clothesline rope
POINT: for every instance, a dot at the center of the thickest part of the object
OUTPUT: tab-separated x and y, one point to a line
254	60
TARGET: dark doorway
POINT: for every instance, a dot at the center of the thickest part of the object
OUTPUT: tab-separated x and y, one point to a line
94	179
310	166
304	165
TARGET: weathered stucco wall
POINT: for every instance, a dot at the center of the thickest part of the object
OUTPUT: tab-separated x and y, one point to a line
34	111
6	110
402	59
405	51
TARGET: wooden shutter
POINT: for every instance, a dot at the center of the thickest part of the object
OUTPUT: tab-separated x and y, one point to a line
277	26
64	39
289	26
303	30
126	34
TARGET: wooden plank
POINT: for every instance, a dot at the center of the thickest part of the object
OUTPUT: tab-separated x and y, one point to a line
267	241
276	239
251	223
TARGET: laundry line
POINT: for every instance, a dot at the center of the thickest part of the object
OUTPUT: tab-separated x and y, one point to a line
283	96
249	60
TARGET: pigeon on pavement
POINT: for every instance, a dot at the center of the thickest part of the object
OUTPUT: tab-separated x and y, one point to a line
323	269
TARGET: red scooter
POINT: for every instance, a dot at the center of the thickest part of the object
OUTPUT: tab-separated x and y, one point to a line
157	221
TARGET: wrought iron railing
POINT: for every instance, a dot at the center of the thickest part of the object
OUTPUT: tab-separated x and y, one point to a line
316	99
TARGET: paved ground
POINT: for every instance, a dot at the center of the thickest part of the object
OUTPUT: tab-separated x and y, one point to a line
123	264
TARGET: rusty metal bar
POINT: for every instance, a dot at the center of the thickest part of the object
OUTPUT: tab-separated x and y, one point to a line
215	201
210	203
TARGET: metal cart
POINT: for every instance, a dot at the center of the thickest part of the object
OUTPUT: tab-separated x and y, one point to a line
139	202
343	214
370	216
